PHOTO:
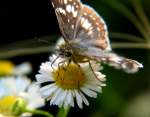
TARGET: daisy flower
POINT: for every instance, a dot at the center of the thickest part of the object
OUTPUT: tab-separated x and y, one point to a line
67	83
6	67
14	88
9	68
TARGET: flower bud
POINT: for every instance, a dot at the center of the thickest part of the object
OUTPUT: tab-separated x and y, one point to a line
19	107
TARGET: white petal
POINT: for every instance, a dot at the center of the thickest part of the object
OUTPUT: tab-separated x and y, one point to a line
22	83
92	87
84	99
78	99
46	68
43	78
23	68
89	92
48	90
15	85
100	76
56	97
62	98
33	97
58	101
69	100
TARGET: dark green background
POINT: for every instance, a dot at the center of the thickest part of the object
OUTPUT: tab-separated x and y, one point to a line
26	19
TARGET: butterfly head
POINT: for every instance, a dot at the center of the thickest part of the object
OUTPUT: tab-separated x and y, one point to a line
65	51
68	50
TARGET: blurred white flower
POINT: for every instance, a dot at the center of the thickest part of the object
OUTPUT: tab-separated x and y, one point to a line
68	82
8	68
23	68
19	87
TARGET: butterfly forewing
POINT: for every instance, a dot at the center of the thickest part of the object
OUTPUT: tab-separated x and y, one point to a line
80	22
68	13
92	29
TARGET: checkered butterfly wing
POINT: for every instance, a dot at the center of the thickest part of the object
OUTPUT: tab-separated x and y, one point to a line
68	13
92	30
80	22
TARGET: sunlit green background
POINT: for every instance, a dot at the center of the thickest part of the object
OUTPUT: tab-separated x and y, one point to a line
128	21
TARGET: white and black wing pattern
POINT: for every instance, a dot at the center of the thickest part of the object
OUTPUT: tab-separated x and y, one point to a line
119	62
92	30
68	13
80	23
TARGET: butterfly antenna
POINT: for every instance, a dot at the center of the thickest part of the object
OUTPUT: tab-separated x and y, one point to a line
44	41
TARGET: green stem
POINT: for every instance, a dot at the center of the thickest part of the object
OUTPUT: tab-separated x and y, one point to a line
25	51
130	45
32	42
141	14
63	112
128	14
125	36
39	112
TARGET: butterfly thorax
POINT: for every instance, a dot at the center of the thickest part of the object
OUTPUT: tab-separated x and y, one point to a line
67	51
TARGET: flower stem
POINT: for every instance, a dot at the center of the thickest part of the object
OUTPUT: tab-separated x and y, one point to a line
119	7
127	37
25	51
126	45
39	112
141	14
63	112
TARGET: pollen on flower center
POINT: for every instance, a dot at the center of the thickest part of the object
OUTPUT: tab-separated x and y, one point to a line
71	77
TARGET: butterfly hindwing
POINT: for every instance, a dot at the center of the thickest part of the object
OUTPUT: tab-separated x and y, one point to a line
114	60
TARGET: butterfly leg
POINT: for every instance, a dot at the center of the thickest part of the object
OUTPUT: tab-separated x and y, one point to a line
64	66
93	70
54	62
68	63
60	64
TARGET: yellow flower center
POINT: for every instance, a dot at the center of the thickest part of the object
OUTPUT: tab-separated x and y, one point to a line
6	67
6	104
71	77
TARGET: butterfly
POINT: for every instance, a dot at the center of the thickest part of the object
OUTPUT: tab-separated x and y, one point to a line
86	37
